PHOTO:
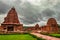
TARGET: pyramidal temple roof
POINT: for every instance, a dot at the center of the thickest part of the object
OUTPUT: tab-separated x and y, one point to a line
12	17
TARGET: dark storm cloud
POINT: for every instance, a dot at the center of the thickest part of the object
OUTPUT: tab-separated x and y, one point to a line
58	17
57	10
30	19
30	13
48	13
3	8
33	14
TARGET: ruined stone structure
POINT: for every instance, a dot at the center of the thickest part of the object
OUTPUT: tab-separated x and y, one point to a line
33	28
52	24
37	27
11	22
51	27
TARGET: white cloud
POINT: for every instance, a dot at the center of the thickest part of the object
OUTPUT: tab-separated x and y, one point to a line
9	2
34	2
2	18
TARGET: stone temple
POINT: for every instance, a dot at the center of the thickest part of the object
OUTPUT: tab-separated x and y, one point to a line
11	22
51	26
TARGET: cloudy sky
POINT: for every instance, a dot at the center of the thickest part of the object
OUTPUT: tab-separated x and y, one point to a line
31	12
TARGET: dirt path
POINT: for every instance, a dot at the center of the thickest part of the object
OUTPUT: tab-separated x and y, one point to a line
45	37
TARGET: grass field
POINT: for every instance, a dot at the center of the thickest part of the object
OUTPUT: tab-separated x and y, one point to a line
51	34
17	37
55	35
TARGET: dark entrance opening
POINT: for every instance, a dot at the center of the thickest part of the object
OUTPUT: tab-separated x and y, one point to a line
10	28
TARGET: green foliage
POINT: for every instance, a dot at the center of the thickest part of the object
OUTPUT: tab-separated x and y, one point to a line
55	35
14	33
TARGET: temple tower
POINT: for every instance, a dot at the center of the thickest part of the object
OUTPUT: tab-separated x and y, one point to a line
52	25
11	22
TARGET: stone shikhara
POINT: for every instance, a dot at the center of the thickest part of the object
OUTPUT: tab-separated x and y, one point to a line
11	22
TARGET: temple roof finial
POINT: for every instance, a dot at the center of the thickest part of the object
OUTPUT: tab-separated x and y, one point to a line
13	8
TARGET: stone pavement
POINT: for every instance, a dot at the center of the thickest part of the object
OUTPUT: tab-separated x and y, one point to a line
45	37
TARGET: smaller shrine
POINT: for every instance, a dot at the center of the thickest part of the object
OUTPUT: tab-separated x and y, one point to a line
51	27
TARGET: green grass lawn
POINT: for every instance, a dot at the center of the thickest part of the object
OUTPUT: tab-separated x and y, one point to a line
55	35
17	37
51	34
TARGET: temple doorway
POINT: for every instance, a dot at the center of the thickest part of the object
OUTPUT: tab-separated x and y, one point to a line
10	28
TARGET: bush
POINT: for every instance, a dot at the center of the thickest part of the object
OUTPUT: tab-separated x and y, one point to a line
12	33
55	35
52	34
58	32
